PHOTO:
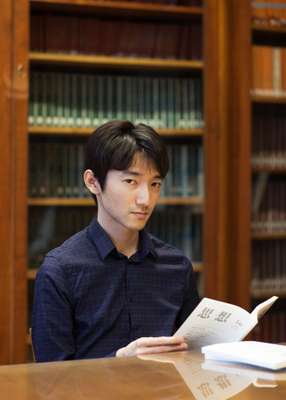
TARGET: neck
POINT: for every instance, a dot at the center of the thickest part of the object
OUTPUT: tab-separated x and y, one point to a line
125	241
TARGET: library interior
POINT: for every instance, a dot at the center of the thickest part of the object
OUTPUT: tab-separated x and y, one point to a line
210	77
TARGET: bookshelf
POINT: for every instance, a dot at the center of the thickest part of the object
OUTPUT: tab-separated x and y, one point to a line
58	129
216	214
268	166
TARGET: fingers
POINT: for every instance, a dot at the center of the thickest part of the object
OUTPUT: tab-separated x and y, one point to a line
152	345
159	341
161	349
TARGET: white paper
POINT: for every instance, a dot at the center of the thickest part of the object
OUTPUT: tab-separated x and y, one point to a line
266	355
214	321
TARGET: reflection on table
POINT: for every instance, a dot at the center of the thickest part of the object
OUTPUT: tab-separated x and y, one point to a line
182	375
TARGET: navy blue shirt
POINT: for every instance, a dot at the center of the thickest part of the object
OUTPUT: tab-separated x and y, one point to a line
90	300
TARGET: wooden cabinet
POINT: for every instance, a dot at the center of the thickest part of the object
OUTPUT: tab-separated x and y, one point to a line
212	126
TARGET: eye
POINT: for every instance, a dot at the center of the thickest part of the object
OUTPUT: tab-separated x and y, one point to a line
130	181
157	185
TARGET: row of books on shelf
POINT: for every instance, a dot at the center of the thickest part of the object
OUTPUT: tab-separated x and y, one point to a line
269	204
268	70
267	223
271	328
50	226
56	167
269	137
269	267
79	34
270	12
87	100
268	159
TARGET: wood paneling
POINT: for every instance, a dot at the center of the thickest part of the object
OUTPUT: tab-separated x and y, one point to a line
239	262
227	109
13	108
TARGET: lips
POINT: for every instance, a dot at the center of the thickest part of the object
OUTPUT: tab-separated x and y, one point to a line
140	214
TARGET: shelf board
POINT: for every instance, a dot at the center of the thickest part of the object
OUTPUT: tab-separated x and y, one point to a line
83	60
198	266
268	28
257	98
88	202
268	235
123	8
31	273
69	131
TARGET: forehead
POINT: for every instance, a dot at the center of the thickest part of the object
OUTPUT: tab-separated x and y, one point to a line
143	164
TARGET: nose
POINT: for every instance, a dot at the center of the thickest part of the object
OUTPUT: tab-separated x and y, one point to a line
143	195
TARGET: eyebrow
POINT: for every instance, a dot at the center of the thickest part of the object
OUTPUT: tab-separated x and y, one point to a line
134	173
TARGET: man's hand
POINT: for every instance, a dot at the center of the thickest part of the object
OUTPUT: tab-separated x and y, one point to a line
152	345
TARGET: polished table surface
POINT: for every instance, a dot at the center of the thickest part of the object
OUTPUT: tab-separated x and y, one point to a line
181	375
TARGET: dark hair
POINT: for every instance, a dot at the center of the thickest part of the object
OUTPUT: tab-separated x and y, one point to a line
114	144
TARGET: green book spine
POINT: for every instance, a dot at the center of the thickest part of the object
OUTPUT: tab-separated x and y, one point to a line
49	99
119	95
62	121
163	103
156	102
129	98
171	103
185	104
79	122
84	107
31	115
73	100
44	79
199	103
66	99
178	103
37	98
95	100
142	116
100	99
53	108
90	109
109	97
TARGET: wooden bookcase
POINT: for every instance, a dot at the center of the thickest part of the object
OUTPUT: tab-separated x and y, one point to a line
226	108
268	97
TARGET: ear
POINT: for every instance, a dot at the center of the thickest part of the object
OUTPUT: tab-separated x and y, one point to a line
91	182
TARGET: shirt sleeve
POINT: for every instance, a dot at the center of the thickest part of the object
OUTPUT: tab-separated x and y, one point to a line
191	296
52	319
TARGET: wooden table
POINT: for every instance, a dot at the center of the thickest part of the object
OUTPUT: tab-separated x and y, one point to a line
183	375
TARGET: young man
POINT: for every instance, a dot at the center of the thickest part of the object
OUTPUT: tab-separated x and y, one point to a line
113	289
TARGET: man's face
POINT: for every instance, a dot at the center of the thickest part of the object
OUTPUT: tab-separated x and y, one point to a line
130	196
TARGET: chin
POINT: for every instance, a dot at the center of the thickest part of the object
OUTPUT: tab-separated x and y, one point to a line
137	227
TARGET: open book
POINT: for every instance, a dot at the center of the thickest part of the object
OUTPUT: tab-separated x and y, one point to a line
214	321
260	354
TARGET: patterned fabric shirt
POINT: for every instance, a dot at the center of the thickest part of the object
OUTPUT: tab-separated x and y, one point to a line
90	300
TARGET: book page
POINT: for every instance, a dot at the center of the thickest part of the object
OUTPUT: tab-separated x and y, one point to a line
214	321
261	309
266	355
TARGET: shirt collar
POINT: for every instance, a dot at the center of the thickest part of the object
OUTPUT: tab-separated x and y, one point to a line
105	245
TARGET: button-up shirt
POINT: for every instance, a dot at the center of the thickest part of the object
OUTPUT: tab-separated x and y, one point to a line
90	300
